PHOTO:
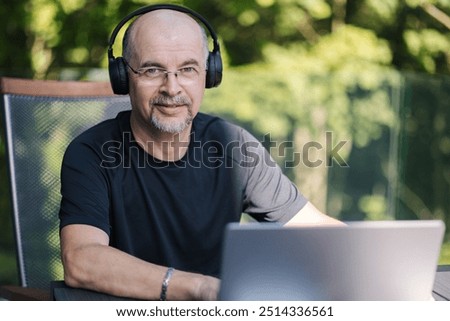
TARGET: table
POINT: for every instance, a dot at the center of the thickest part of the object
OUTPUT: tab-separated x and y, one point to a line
59	291
441	289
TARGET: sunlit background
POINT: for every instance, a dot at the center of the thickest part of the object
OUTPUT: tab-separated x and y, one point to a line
367	81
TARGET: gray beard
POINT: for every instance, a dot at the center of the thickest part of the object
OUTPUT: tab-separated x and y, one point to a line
172	127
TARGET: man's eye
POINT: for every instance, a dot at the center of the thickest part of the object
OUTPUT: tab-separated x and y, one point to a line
153	72
188	70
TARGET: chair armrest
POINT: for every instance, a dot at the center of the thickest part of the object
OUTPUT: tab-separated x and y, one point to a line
19	293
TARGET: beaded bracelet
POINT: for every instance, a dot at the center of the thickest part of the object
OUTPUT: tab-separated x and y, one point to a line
165	284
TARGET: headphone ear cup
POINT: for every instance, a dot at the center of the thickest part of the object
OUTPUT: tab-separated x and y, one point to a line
118	76
214	72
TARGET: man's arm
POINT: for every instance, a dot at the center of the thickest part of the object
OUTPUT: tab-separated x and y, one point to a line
310	215
89	262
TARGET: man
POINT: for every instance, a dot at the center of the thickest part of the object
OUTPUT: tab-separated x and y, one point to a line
146	196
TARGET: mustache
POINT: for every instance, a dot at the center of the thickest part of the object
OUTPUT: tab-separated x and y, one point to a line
168	101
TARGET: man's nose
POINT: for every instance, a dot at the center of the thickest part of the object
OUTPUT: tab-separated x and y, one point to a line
170	84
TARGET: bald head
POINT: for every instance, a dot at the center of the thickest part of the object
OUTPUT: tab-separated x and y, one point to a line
163	26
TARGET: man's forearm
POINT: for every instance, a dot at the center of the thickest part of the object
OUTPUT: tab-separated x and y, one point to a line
105	269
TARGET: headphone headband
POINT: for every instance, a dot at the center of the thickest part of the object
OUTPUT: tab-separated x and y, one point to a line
118	72
147	9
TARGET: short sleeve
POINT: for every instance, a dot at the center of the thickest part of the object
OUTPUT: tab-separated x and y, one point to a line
269	194
84	188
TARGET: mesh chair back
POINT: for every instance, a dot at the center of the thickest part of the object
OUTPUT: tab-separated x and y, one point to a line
40	120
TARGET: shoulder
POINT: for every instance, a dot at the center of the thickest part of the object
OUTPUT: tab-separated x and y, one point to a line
229	140
209	127
94	139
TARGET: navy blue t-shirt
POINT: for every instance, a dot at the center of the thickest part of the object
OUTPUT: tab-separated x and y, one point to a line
172	213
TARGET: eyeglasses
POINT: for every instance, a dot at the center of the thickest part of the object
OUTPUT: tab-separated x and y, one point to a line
156	76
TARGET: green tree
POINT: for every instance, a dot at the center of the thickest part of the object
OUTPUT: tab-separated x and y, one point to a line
48	36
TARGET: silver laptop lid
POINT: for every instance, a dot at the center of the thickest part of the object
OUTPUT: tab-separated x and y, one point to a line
389	260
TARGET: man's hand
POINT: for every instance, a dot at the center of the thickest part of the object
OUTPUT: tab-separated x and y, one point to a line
208	289
192	286
310	215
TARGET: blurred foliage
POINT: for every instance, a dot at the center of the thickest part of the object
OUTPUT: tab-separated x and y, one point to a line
295	69
47	36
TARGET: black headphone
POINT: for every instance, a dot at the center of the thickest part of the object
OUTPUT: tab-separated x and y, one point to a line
118	74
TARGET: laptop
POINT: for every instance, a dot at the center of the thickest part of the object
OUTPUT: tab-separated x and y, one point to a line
370	260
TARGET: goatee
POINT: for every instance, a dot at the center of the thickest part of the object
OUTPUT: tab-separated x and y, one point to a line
172	126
